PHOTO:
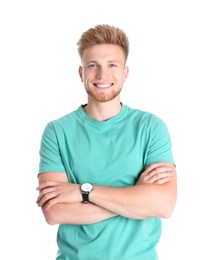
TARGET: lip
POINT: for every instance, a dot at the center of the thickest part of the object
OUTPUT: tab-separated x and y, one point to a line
103	85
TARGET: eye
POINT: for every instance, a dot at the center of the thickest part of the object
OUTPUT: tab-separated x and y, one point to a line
92	65
112	65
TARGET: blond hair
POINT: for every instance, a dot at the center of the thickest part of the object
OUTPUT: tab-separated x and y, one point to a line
103	34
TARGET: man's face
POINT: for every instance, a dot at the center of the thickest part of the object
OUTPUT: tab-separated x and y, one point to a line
103	71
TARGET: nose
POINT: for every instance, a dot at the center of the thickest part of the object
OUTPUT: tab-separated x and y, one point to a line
101	73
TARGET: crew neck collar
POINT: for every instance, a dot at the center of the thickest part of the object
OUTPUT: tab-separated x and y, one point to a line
101	123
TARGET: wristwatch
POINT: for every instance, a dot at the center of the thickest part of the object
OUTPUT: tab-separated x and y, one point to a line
86	188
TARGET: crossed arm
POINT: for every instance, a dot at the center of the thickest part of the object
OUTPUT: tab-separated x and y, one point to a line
154	195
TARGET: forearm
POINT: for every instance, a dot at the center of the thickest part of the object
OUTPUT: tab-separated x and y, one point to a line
137	202
62	201
76	213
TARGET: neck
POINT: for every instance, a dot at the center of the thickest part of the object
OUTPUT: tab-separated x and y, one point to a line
103	111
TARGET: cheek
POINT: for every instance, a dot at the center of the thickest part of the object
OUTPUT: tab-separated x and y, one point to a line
87	77
121	77
87	80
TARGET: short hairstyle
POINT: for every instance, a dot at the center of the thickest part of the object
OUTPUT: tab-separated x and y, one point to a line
103	34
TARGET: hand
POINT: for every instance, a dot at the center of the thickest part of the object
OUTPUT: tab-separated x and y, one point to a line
157	173
53	192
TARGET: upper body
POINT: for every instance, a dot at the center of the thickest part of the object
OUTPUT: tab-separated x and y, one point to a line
124	152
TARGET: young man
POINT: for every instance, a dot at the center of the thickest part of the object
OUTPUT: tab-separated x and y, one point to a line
107	174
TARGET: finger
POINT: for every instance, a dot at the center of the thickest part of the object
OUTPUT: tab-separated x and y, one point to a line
44	198
156	172
44	201
47	184
163	180
43	193
151	167
157	165
49	204
157	176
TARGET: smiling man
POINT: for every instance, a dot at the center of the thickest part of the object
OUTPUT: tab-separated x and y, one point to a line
103	72
106	173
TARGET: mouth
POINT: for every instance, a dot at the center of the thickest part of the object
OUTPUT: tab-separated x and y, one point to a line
101	85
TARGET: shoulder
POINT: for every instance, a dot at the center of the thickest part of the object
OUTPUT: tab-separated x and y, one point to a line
144	117
62	124
64	120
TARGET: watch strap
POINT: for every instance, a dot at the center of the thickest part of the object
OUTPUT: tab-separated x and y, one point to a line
85	197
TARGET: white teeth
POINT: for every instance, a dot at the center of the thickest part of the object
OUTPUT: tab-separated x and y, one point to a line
103	85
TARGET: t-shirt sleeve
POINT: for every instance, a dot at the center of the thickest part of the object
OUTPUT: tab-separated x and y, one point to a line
159	147
50	157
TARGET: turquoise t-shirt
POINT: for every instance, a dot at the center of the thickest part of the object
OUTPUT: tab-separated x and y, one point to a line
111	153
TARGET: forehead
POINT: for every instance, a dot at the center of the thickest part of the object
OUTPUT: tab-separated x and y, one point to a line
103	52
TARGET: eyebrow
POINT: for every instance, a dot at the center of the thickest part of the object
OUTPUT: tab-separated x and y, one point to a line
109	61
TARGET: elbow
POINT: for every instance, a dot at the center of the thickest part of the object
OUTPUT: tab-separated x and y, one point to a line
50	217
167	211
166	214
50	221
168	205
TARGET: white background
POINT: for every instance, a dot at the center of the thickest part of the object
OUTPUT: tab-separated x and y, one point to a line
174	72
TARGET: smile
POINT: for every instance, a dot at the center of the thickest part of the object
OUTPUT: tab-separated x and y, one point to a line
103	85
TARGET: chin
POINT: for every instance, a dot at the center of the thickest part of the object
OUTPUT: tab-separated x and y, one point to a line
104	97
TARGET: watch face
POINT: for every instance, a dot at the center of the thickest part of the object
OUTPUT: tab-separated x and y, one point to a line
87	187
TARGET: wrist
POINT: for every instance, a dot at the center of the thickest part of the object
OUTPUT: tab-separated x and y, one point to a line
86	189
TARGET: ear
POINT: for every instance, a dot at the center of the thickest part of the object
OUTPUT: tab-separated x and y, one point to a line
80	73
126	72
